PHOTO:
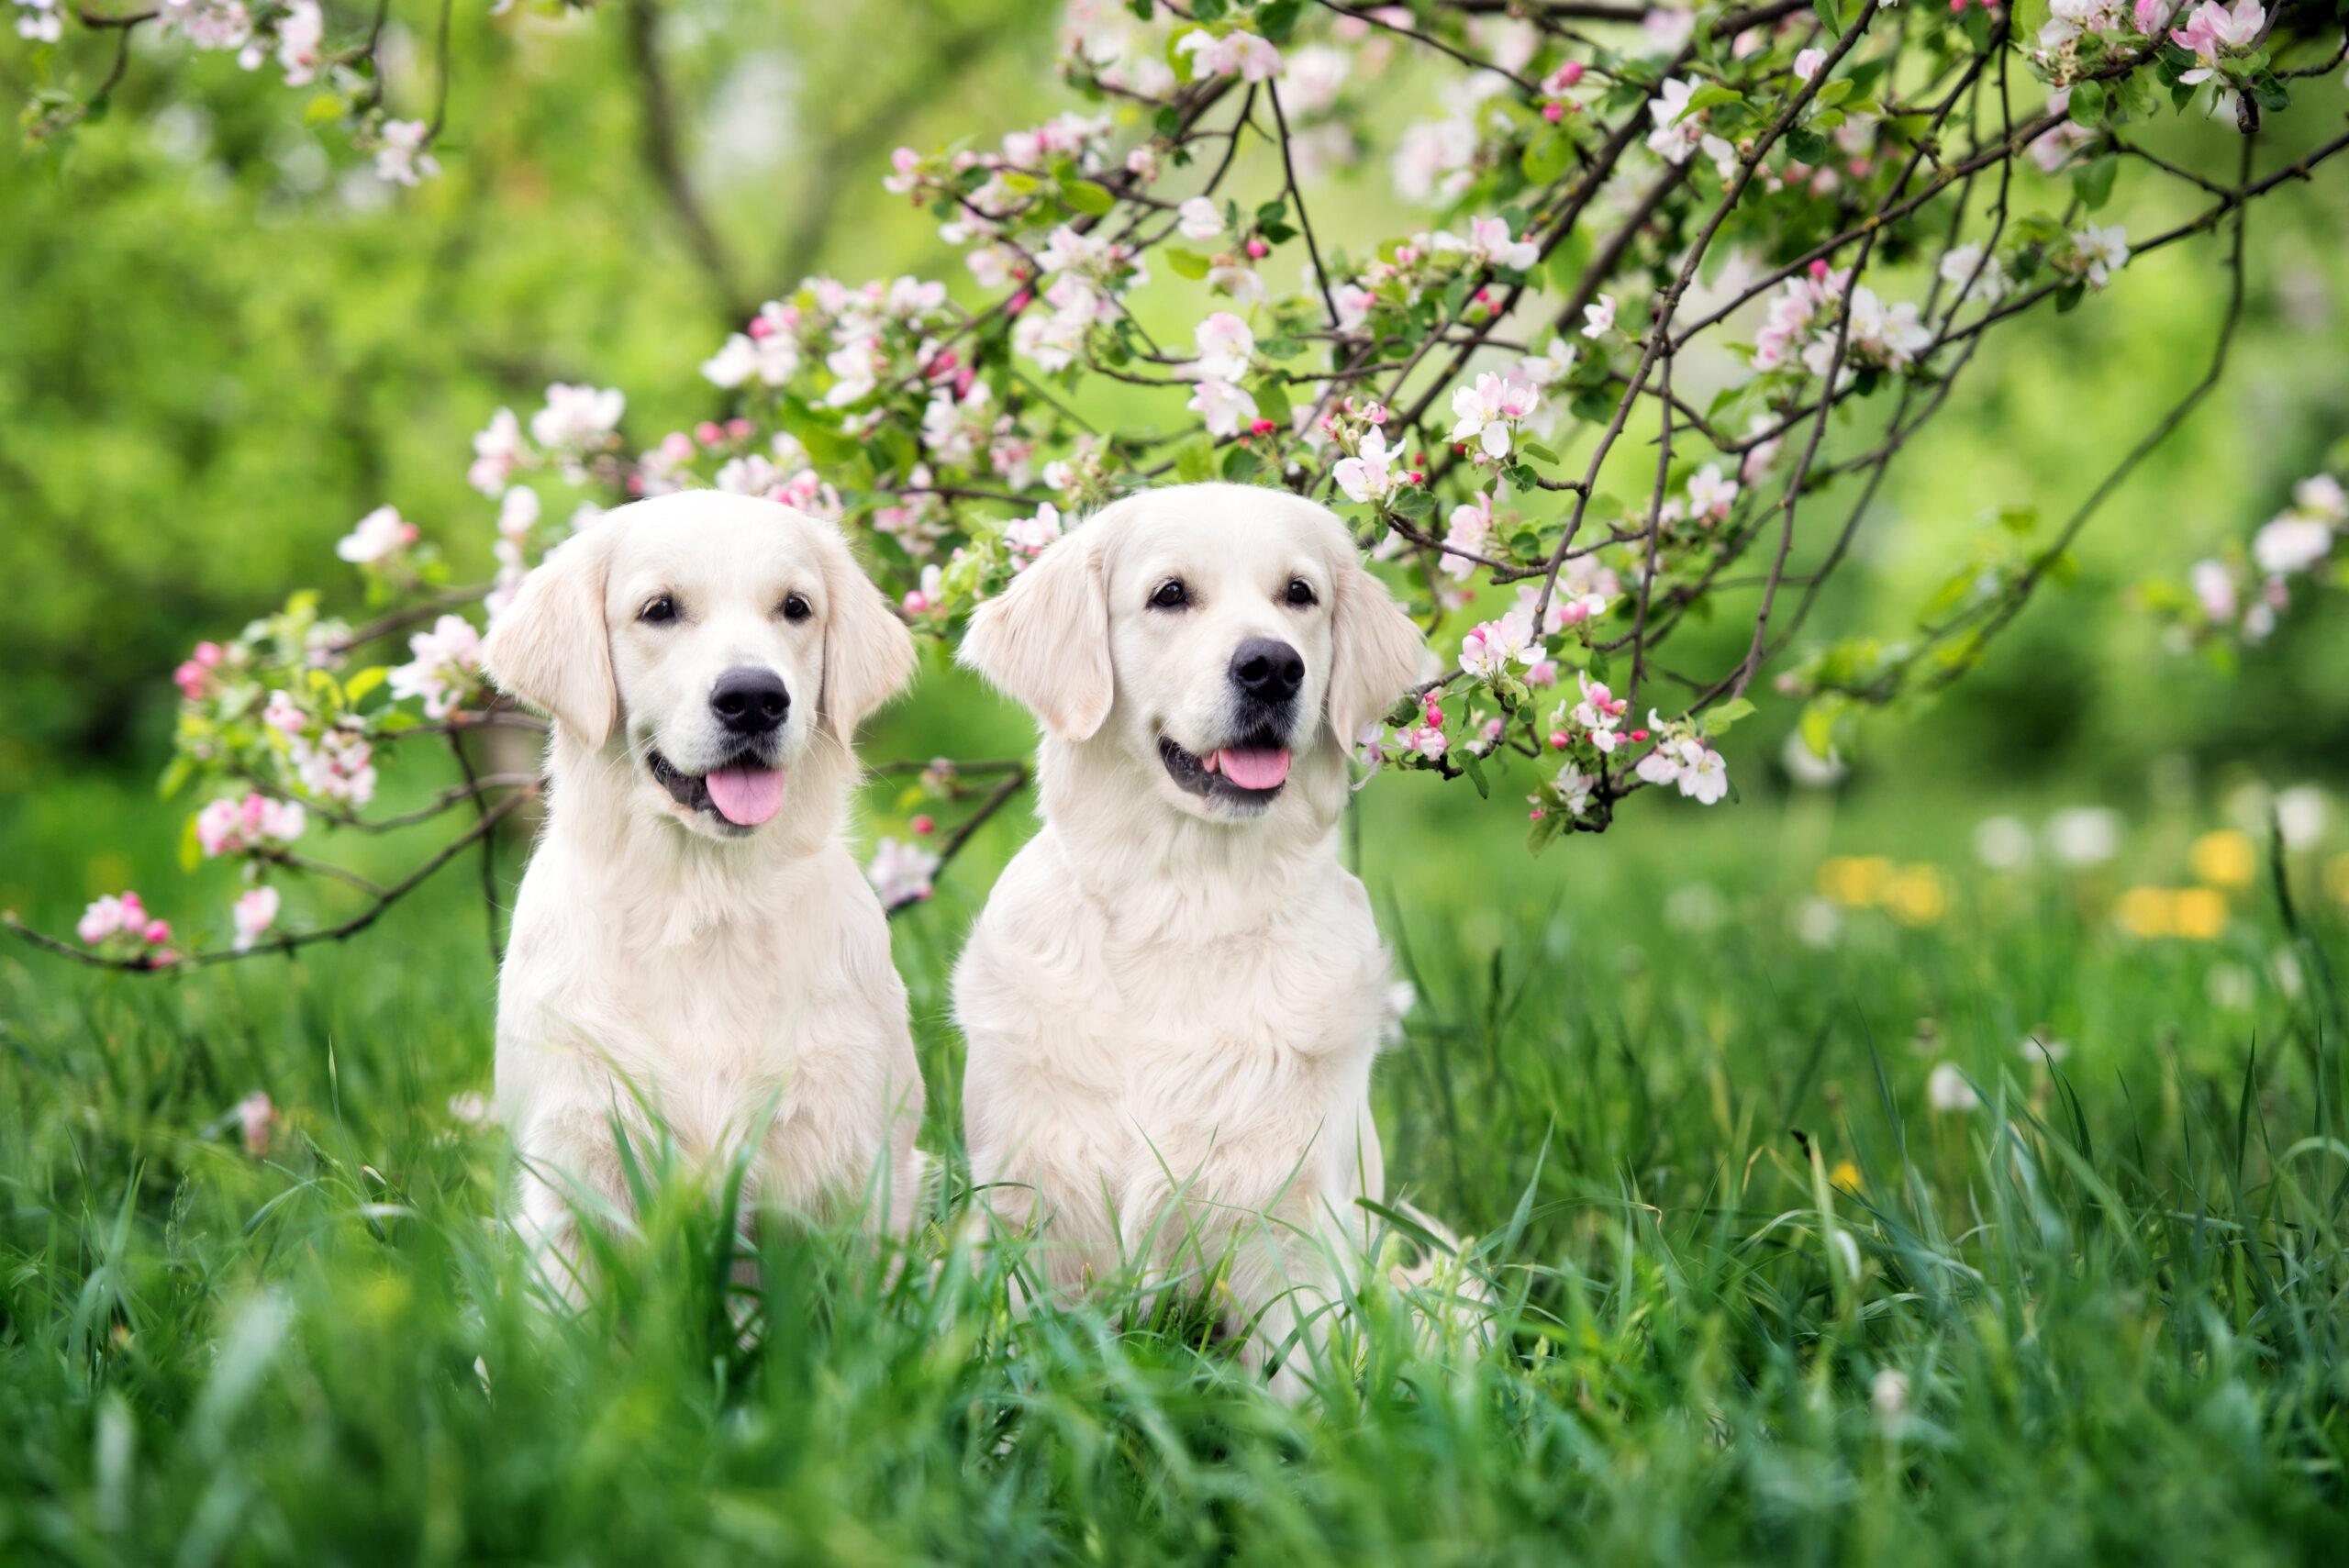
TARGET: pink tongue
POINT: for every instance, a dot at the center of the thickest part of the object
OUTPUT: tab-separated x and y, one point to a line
748	797
1255	770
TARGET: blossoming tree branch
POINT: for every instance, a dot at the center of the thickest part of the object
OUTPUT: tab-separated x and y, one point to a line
1666	292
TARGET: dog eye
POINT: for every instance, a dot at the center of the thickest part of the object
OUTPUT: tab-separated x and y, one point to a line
660	612
795	609
1300	592
1171	595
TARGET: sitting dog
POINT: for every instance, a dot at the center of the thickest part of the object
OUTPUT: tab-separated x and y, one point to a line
692	939
1174	996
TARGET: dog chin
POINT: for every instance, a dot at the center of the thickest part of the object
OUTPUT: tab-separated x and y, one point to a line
733	800
1241	778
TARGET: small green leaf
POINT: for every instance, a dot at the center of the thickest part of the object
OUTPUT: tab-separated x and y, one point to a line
1185	264
1547	157
1711	96
2087	103
1806	146
1278	20
1194	461
1087	197
1835	92
2092	183
1240	465
1718	722
1474	768
1827	18
1414	504
1538	453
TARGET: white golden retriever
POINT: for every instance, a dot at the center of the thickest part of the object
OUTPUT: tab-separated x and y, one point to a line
1176	992
692	930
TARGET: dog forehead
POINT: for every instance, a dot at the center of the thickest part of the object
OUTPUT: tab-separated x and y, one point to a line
1229	531
712	540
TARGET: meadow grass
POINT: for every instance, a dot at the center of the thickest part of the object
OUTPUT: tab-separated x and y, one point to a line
1754	1298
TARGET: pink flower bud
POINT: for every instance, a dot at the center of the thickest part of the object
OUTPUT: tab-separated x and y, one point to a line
1554	112
1560	740
923	825
737	429
677	446
761	328
1262	427
917	603
157	933
1258	250
1566	75
209	653
636	485
1819	271
1019	302
709	432
189	679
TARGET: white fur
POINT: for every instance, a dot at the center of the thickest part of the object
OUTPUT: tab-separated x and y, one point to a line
1172	1006
724	973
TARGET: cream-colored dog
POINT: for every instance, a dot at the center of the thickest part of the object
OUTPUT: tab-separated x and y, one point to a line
1176	992
692	930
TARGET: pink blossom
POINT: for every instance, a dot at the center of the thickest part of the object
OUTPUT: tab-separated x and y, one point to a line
1485	411
901	872
1372	473
1489	244
1808	62
1598	319
1222	406
445	668
1564	77
1225	347
1198	218
1027	536
255	1117
111	916
253	913
228	825
1244	55
2214	586
1472	531
497	451
1487	649
375	536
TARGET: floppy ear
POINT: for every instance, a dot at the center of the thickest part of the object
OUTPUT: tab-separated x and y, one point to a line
868	652
551	650
1046	639
1376	654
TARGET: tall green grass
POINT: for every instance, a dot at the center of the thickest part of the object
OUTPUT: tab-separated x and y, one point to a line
1753	1296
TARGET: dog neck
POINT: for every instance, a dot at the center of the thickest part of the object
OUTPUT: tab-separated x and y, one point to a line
1160	870
666	883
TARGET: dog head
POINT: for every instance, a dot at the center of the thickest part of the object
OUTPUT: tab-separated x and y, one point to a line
713	642
1213	634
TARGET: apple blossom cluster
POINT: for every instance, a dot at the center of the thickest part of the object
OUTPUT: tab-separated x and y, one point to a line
2240	594
901	872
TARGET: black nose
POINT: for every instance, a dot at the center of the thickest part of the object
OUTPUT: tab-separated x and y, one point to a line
1268	670
749	702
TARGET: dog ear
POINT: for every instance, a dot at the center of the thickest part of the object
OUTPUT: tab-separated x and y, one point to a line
1376	650
868	652
551	650
1046	639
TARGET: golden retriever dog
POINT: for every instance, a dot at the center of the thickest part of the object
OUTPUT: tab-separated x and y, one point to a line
693	941
1176	992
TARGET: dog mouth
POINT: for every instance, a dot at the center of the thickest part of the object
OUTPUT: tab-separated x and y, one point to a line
1248	773
745	793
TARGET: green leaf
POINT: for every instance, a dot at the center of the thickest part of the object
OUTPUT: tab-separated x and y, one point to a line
1194	461
1718	722
1818	723
1474	768
1272	399
1547	158
1240	465
1087	197
1835	92
2270	94
2067	298
1280	348
1185	264
2087	103
1827	18
2092	183
1805	145
1538	453
366	681
1413	505
1278	20
1710	95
